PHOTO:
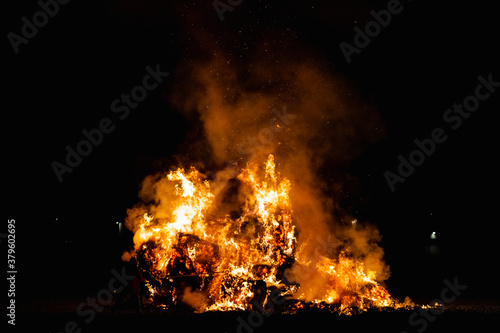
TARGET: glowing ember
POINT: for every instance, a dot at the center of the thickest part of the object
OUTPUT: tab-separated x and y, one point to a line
190	252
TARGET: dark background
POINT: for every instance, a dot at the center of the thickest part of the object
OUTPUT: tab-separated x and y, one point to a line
65	78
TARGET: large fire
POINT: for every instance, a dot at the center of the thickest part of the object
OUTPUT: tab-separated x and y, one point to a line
190	253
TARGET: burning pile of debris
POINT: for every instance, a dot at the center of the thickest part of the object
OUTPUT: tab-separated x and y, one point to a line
227	250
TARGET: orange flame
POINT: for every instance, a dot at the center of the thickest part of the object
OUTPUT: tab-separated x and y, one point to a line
231	261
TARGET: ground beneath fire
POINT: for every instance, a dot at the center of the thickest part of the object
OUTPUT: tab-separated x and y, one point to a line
52	316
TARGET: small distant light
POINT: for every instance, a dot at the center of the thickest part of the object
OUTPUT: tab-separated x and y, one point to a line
433	235
117	222
354	221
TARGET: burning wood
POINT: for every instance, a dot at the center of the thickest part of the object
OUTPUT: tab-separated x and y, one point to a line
227	251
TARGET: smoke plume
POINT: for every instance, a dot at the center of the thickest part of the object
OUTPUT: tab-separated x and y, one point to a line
280	102
299	111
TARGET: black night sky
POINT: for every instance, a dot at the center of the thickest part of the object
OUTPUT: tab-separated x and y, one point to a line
64	79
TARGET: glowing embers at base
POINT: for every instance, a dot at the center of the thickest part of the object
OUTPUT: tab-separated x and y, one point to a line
193	250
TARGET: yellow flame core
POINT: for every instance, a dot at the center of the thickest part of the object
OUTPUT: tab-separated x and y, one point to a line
230	254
